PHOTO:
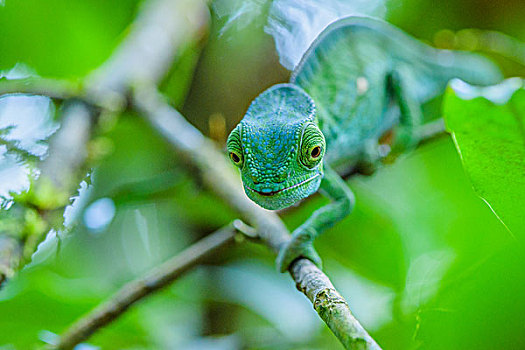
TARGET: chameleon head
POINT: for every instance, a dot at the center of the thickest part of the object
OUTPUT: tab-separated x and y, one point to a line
279	147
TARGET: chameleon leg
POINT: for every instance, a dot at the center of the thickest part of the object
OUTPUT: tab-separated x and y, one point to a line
405	134
301	244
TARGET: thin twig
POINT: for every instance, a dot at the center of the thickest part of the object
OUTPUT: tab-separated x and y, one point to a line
220	177
137	289
59	89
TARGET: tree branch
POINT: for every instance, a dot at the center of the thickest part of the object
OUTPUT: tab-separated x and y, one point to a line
331	306
137	289
221	178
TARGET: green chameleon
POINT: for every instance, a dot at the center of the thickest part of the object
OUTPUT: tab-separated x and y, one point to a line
360	79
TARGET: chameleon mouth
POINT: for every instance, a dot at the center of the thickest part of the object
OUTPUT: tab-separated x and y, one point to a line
269	194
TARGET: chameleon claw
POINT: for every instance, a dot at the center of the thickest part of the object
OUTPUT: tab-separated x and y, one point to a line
300	246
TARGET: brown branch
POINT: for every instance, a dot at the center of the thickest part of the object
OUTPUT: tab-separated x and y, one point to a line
331	306
135	290
220	177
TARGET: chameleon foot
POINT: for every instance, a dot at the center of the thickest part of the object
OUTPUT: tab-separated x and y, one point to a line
300	246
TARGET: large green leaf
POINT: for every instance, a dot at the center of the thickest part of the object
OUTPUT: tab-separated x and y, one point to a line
487	125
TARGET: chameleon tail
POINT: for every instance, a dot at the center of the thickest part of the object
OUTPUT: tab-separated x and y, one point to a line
472	68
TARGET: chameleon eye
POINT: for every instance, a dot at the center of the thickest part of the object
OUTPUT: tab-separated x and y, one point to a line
235	147
316	152
312	146
236	158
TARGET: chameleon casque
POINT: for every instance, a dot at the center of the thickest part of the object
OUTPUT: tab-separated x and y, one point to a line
359	79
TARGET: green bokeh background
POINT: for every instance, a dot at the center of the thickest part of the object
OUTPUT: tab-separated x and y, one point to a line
423	261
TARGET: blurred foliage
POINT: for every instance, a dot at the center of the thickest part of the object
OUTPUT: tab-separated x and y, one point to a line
60	38
422	260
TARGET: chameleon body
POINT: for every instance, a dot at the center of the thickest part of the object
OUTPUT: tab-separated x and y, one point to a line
359	79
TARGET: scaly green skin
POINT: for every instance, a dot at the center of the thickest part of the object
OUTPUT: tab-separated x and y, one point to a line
272	158
360	78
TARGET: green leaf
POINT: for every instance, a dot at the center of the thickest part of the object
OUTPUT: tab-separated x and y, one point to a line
488	128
